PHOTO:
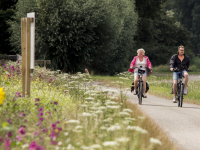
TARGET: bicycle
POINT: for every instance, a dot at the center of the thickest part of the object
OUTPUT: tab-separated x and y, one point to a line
180	86
139	91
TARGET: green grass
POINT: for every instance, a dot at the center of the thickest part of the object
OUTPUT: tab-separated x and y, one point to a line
159	86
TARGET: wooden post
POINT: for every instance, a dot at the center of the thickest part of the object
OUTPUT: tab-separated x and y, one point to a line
28	57
26	46
23	41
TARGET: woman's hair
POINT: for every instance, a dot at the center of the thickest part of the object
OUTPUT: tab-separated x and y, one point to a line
181	46
140	49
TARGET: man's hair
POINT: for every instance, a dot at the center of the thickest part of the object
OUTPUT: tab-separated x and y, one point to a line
181	46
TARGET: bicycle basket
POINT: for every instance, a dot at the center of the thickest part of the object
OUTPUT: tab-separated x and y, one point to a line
147	87
132	87
142	71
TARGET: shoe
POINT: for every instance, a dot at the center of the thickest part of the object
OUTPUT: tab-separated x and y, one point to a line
185	92
134	92
174	100
144	95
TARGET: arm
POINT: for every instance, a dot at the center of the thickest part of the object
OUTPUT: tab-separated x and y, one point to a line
149	63
133	62
171	64
188	63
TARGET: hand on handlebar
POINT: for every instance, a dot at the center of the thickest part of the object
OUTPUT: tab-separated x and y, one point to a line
172	69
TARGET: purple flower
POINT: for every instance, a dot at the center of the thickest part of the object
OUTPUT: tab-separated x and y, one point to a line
34	146
41	109
53	126
21	130
39	123
53	134
48	112
59	129
26	120
9	134
22	115
55	103
1	139
9	121
57	121
41	119
37	99
45	130
40	114
19	137
7	144
36	133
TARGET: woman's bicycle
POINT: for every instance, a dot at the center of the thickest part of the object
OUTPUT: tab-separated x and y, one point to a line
180	87
139	90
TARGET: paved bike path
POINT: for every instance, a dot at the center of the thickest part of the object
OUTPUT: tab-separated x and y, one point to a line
182	125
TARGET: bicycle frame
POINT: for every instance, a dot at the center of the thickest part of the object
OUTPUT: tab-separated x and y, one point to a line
180	87
140	84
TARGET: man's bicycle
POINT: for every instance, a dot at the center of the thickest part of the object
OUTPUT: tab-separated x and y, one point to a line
139	91
180	86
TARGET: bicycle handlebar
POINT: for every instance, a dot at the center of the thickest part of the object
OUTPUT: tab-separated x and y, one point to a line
177	70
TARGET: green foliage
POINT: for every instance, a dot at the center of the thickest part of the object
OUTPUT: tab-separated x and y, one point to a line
159	34
7	4
75	34
5	47
187	12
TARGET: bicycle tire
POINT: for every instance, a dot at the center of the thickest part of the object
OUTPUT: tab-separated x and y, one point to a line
178	94
140	92
181	95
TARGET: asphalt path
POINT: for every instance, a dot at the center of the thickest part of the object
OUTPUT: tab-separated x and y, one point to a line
182	125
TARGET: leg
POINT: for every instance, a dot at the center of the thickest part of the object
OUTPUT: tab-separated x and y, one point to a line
186	79
135	80
144	83
175	87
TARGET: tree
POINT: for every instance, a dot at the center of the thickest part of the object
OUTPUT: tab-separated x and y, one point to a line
7	4
5	47
75	34
158	33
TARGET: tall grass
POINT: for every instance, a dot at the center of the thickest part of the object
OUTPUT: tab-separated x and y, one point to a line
67	112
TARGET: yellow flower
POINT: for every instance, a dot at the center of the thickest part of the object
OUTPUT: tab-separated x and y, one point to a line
2	95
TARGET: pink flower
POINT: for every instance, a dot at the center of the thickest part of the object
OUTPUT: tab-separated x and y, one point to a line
34	146
37	99
41	109
21	130
19	137
40	114
53	126
7	143
9	121
9	134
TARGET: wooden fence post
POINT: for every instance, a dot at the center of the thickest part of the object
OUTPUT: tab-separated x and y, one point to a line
26	46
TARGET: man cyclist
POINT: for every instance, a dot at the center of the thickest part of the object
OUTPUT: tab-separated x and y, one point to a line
179	61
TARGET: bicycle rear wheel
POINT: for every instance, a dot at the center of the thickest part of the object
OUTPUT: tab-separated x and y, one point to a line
181	95
140	92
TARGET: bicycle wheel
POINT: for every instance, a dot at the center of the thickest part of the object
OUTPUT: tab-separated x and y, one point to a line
181	95
140	91
178	94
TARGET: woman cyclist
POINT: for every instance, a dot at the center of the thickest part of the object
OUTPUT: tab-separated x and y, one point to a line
140	60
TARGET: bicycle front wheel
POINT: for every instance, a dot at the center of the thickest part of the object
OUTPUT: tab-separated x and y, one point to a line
140	92
181	95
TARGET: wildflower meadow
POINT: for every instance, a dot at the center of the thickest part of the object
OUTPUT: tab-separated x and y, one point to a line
67	112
